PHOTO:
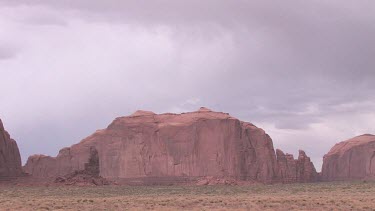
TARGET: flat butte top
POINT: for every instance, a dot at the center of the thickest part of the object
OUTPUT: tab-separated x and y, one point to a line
142	118
168	119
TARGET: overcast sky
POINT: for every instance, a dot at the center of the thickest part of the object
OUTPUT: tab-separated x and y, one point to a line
304	71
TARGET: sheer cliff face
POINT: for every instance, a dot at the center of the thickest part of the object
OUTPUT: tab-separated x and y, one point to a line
351	160
10	159
201	143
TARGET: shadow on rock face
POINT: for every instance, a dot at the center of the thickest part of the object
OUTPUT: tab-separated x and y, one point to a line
89	176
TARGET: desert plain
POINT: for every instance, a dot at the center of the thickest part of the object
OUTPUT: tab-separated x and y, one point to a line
355	195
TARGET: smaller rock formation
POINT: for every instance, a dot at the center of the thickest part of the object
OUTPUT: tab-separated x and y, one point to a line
353	159
10	159
292	170
38	165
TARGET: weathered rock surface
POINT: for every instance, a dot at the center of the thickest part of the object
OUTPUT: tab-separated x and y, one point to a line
292	170
146	145
10	159
88	176
352	159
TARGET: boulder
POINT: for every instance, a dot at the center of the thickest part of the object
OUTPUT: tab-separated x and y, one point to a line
10	159
353	159
292	170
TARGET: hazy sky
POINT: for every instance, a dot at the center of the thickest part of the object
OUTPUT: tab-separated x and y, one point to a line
302	70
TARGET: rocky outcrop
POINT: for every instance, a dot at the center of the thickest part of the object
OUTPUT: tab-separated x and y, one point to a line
292	170
353	159
198	144
306	171
10	159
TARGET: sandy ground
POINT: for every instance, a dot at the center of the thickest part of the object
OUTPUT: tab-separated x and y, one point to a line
318	196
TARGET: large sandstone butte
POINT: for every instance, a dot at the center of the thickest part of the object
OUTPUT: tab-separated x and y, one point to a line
10	159
146	145
352	159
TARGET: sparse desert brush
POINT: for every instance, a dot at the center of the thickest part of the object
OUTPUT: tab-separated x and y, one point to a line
336	196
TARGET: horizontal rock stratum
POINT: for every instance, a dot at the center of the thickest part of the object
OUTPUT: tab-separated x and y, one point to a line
352	159
194	144
10	159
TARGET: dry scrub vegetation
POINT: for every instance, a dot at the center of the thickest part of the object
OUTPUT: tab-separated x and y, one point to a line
318	196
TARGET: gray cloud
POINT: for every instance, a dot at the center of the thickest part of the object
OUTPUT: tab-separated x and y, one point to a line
295	68
7	53
45	20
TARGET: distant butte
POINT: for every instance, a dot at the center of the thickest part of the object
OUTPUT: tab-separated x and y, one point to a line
153	147
352	159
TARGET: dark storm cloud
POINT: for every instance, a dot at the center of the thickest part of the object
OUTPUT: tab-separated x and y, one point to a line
293	65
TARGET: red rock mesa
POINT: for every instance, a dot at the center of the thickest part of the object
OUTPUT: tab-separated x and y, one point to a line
352	159
195	144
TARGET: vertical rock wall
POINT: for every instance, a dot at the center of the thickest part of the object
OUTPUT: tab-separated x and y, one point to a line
10	159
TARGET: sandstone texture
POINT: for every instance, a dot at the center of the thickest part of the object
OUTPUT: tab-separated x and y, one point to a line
353	159
10	159
146	145
292	170
87	177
